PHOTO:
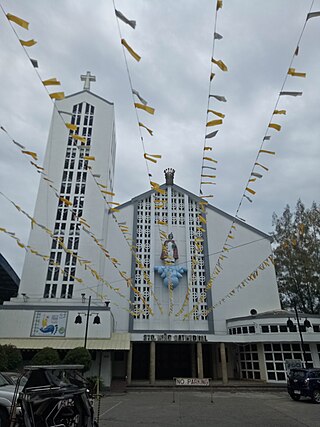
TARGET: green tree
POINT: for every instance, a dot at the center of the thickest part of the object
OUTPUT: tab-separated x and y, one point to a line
78	356
14	357
297	257
3	359
46	356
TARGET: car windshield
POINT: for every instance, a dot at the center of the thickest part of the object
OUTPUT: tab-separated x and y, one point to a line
298	375
3	381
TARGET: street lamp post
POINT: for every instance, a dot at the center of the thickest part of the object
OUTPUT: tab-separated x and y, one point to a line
306	324
87	323
96	320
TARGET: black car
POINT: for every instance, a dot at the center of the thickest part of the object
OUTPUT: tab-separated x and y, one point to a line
304	382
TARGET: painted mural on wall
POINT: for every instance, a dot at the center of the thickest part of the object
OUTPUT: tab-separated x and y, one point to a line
169	272
49	324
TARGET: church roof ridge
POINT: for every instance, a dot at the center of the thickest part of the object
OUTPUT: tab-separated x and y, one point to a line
91	93
197	198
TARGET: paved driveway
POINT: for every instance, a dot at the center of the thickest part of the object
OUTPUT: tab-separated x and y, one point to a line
256	408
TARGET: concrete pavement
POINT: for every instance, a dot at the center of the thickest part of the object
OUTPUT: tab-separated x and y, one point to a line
195	408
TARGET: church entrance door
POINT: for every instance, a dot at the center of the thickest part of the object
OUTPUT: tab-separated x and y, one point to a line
173	360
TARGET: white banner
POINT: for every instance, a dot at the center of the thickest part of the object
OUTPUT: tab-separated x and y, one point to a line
193	381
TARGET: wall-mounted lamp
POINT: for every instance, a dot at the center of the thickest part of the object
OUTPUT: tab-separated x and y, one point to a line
25	297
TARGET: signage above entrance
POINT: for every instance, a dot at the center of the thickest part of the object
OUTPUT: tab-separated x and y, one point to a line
175	338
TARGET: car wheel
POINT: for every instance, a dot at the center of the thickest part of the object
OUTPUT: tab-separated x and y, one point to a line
316	396
4	418
295	396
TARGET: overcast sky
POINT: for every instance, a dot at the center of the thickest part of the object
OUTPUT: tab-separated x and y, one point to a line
174	39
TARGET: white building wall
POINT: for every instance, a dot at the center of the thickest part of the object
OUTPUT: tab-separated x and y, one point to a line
103	149
119	249
250	249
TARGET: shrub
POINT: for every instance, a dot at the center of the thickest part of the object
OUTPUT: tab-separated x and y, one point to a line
3	359
78	356
46	356
14	357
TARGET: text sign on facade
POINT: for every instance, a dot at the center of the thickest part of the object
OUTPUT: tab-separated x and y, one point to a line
175	338
193	381
49	324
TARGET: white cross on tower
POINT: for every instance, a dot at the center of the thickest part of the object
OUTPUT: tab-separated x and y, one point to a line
87	79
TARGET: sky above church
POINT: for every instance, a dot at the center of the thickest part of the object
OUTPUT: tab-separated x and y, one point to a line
174	40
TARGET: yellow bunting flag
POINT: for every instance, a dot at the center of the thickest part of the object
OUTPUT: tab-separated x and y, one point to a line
71	126
280	112
145	127
152	157
108	192
274	126
220	64
214	122
130	50
207	183
79	138
250	191
66	201
267	152
57	95
210	159
202	219
219	4
30	153
89	158
51	82
207	149
157	188
17	20
161	222
217	113
212	76
114	210
146	108
292	72
209	176
27	43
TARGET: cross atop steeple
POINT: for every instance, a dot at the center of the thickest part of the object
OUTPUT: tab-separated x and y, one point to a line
87	79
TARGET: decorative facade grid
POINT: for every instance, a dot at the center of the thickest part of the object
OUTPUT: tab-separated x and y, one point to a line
198	276
161	207
173	214
249	362
73	187
143	252
276	354
177	208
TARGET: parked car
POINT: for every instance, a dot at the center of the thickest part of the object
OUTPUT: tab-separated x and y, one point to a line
8	392
304	382
15	377
55	395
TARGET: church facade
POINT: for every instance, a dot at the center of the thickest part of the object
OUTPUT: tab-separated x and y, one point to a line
167	284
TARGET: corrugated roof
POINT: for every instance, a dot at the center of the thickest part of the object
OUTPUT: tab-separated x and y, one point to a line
118	341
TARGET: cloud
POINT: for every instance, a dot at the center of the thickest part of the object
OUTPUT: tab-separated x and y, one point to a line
175	42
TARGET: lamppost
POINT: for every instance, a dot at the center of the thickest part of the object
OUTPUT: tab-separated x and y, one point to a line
96	320
306	324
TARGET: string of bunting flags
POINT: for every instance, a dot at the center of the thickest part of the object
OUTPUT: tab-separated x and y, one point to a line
142	105
70	126
259	166
208	166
